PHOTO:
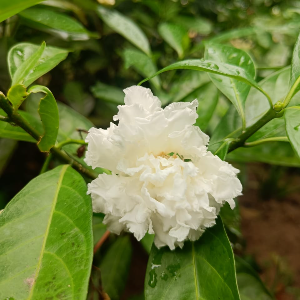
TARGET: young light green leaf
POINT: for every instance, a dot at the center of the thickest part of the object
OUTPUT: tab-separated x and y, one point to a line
209	66
200	270
115	267
56	23
176	36
49	222
124	26
27	66
108	93
9	8
250	285
235	90
21	54
16	95
142	63
48	112
292	123
16	133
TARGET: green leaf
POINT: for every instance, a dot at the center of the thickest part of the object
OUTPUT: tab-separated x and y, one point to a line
16	95
21	54
115	267
235	90
48	112
250	285
16	133
292	123
201	270
200	25
108	93
147	242
56	23
7	147
176	36
142	63
9	8
275	153
220	68
98	228
231	218
27	66
49	222
124	26
223	148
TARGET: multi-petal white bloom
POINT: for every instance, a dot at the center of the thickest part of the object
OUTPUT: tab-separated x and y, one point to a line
163	181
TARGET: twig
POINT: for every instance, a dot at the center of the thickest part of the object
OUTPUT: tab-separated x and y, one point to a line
101	241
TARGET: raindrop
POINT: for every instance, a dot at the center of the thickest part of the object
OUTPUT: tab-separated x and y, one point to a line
297	127
19	53
242	60
233	55
164	276
153	279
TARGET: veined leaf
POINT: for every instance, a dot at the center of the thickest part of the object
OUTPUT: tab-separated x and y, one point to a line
201	270
142	63
124	26
292	123
209	66
20	54
56	23
235	90
16	95
27	66
9	8
176	36
48	112
49	222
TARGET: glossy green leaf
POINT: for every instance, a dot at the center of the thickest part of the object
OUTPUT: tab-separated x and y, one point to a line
235	90
16	133
124	26
115	267
277	86
176	36
7	147
209	66
56	23
108	93
49	222
201	270
142	63
16	95
25	69
200	25
21	54
295	70
231	219
48	112
275	153
292	123
250	285
147	242
9	8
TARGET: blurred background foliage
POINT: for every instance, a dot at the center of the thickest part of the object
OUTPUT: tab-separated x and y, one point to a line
116	44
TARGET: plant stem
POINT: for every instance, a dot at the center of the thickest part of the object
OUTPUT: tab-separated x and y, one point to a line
15	117
70	141
4	119
240	141
46	163
101	241
262	141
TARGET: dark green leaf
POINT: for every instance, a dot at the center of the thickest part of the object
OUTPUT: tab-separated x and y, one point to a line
9	8
124	26
98	228
295	69
49	222
27	66
108	93
48	112
176	36
142	63
147	241
115	267
231	218
201	270
16	95
235	90
292	123
7	147
20	54
56	23
250	285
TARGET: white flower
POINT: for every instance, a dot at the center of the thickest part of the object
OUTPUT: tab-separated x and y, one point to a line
163	181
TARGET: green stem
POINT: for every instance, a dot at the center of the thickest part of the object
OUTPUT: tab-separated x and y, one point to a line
262	141
46	163
240	141
4	119
70	141
20	121
291	93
